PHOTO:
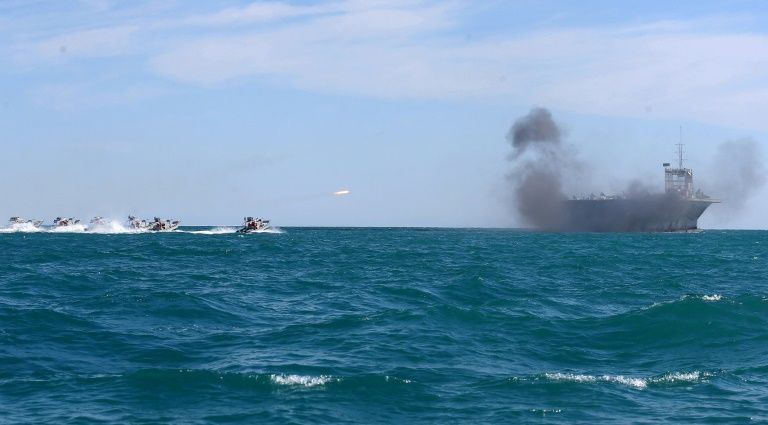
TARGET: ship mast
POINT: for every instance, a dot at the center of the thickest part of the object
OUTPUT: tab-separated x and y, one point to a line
678	180
680	149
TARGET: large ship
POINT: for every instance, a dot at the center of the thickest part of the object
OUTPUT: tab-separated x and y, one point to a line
677	209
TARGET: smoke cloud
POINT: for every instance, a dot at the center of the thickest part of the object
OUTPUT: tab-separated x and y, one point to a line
536	128
537	177
544	170
737	174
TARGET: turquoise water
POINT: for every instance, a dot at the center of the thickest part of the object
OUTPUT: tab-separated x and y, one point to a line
339	325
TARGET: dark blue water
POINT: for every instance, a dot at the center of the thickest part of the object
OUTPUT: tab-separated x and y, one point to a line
384	326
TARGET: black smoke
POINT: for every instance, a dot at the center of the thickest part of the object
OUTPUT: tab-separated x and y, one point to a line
543	170
538	162
537	128
542	167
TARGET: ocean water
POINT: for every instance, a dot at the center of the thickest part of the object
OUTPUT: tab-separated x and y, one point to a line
340	325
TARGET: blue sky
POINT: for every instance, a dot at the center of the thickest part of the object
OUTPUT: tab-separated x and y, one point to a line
212	110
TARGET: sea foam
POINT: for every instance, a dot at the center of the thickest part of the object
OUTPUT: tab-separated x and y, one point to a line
300	380
634	382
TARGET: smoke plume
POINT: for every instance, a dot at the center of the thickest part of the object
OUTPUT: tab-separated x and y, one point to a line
543	170
738	175
537	127
537	176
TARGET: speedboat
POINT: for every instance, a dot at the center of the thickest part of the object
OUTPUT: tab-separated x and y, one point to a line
98	221
162	225
18	221
137	224
156	225
251	224
65	222
101	224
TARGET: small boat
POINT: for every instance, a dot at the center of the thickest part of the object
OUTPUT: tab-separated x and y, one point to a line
102	224
156	225
18	221
251	224
65	222
137	224
161	225
98	221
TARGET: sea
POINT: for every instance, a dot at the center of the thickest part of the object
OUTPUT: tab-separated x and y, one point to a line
382	326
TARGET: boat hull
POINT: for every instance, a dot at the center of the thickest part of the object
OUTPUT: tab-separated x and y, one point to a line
649	214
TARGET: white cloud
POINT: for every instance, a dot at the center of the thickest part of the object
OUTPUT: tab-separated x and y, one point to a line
682	73
415	49
257	12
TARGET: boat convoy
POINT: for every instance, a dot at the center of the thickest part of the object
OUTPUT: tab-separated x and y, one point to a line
157	224
65	222
18	221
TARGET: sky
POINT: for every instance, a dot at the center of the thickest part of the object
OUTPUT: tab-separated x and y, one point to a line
208	111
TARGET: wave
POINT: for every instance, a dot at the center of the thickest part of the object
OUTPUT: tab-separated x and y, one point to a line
300	380
620	379
715	305
187	378
640	383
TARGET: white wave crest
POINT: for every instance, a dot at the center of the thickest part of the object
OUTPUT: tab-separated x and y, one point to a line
305	381
638	383
713	297
634	382
388	378
680	377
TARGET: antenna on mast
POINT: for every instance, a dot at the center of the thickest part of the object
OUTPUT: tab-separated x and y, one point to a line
680	149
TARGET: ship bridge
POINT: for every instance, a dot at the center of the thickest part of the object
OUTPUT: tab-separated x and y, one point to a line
678	180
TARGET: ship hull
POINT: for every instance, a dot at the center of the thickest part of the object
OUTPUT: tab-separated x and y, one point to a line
649	214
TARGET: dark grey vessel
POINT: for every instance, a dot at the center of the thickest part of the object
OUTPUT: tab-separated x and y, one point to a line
677	209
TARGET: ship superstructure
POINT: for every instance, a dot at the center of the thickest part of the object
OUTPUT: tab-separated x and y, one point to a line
677	209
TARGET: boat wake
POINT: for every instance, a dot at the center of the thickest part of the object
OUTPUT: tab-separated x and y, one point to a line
113	228
274	230
21	228
214	231
72	228
228	231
